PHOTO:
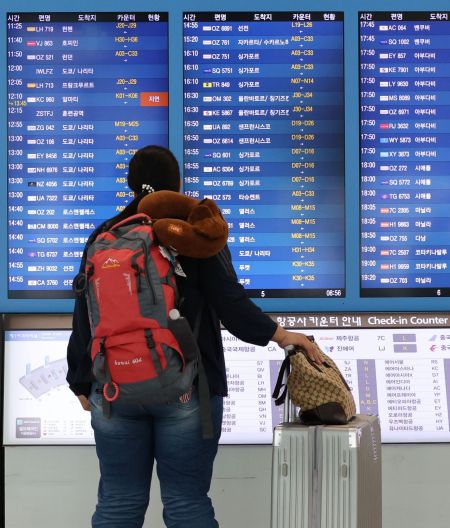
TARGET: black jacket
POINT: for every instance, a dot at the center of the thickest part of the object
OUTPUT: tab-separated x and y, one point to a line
225	301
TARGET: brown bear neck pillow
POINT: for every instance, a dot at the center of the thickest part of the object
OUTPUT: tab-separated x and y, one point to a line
194	228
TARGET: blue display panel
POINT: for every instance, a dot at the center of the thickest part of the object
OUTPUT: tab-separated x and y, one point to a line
84	91
264	137
405	154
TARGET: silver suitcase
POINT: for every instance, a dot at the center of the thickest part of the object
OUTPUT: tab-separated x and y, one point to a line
292	476
348	460
327	476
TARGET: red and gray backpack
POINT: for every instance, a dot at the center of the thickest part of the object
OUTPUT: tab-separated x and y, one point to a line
142	350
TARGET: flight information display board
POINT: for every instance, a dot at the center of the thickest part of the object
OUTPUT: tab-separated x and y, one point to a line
397	365
405	154
84	91
264	137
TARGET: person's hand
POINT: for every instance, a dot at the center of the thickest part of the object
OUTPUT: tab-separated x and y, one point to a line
84	402
284	338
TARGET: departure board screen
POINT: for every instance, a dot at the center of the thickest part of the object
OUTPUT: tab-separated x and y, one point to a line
84	91
264	137
405	154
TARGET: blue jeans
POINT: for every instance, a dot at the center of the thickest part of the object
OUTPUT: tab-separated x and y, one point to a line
127	444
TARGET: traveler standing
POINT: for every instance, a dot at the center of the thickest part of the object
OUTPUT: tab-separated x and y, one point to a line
134	437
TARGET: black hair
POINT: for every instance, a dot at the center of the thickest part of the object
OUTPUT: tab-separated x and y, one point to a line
154	166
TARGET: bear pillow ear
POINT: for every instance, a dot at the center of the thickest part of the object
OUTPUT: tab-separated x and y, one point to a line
195	229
